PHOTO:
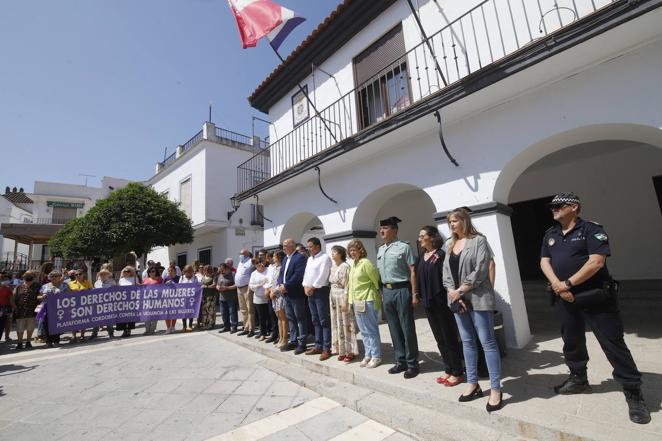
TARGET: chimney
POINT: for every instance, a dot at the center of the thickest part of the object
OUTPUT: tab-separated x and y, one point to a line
7	189
13	190
21	190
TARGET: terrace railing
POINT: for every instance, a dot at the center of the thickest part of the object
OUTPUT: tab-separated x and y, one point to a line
488	32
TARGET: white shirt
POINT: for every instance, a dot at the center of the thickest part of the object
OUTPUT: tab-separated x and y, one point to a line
287	264
243	274
193	279
256	284
317	271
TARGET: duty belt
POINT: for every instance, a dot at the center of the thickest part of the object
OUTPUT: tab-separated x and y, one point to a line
396	285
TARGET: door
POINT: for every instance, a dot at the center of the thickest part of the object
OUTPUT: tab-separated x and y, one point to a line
530	220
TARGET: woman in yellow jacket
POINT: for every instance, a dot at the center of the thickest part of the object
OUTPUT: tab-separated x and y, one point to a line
363	294
80	283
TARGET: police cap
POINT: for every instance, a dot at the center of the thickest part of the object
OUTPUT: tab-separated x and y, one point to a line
564	198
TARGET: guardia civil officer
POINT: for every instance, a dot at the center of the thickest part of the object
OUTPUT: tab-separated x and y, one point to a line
395	262
573	258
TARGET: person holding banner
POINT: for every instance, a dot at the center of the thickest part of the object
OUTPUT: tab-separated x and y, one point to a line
104	280
128	278
188	276
80	283
170	279
153	278
53	288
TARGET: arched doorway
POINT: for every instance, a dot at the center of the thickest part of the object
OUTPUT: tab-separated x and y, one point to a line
301	227
620	185
407	202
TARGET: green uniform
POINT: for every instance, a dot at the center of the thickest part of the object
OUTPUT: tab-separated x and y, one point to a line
393	262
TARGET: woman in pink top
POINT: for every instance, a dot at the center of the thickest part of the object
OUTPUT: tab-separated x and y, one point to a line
153	278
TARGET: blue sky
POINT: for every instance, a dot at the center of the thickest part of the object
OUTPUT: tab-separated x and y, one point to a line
101	87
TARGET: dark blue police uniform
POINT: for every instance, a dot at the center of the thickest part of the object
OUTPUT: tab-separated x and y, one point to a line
568	253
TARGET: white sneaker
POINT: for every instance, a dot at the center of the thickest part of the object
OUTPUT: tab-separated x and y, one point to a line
374	362
365	362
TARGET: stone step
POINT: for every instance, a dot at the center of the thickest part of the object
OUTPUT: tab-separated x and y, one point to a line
433	412
416	422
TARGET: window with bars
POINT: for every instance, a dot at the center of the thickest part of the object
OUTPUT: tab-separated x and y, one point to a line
382	78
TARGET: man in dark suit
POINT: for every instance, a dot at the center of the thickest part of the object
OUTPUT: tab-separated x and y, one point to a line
290	285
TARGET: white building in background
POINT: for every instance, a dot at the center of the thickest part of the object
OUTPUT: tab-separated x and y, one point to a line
537	97
201	177
35	217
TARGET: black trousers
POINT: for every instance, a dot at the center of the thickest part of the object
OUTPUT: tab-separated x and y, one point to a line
605	321
273	319
263	318
444	328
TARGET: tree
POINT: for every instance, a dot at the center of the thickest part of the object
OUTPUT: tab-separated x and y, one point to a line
135	218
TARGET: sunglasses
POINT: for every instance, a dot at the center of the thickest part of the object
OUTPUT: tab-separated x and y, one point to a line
557	207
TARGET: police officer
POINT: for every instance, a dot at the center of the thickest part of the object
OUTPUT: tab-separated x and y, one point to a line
573	258
395	262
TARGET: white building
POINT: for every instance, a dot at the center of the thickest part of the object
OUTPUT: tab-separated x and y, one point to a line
201	177
540	97
37	216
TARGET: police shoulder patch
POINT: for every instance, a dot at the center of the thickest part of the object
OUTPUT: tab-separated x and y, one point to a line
601	236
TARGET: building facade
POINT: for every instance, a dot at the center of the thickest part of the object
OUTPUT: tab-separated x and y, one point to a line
200	177
37	216
534	98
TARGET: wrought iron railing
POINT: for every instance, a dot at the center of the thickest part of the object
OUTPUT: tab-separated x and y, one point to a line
228	135
222	135
488	32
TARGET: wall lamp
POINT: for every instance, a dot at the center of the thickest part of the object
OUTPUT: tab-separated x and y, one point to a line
236	203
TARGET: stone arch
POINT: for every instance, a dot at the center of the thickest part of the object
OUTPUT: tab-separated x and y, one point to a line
302	226
408	202
367	210
579	135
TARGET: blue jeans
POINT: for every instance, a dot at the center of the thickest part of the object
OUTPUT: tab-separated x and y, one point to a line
482	323
229	313
295	310
320	312
369	328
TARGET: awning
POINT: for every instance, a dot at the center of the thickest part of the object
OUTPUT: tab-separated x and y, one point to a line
29	233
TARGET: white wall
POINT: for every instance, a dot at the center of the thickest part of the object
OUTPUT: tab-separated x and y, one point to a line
10	213
463	46
212	169
193	167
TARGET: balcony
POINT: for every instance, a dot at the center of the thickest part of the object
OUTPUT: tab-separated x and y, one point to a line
215	134
491	33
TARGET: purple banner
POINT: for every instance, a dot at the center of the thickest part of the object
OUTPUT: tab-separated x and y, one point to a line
74	310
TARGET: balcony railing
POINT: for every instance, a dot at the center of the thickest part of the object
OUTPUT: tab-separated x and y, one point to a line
46	221
488	32
222	135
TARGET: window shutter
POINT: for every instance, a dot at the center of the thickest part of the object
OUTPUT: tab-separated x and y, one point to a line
185	197
380	55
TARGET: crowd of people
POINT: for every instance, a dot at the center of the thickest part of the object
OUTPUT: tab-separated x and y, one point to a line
285	295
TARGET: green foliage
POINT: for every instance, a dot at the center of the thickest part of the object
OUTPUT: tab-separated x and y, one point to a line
135	218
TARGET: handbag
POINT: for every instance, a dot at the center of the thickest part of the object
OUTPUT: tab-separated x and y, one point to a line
596	296
359	306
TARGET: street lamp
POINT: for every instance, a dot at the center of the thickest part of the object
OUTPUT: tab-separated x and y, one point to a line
236	203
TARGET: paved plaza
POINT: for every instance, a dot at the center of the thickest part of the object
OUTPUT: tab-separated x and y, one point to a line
178	387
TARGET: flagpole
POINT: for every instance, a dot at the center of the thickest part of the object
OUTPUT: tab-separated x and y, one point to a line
307	98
